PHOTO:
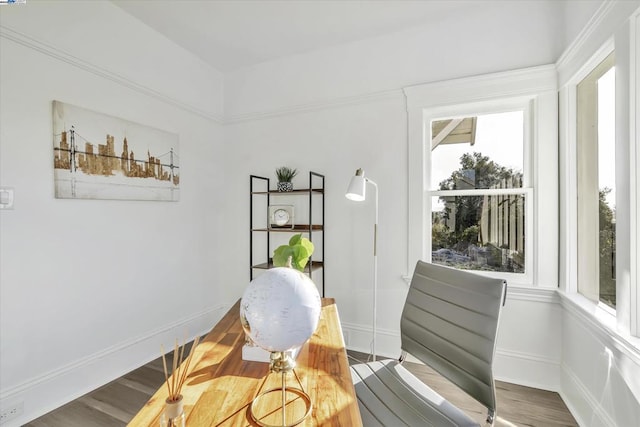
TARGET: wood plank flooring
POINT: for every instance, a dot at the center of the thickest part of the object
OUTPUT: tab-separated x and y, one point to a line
117	402
517	405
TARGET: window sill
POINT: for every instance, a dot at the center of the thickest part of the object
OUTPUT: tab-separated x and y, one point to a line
602	322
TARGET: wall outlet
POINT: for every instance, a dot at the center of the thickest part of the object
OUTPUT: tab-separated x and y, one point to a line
6	196
11	412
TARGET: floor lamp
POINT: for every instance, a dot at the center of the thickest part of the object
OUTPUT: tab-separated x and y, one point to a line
357	192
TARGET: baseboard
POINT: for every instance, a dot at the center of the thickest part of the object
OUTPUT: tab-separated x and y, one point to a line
527	369
57	387
359	338
584	407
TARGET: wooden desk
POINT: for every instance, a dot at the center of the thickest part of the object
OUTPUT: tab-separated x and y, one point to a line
220	385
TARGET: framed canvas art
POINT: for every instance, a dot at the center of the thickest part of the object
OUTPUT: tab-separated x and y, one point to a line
97	156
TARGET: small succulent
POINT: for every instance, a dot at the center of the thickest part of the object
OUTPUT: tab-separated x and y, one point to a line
285	174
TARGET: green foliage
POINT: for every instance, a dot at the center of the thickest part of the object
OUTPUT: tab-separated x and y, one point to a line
285	174
457	226
481	171
299	249
470	234
607	247
476	171
441	236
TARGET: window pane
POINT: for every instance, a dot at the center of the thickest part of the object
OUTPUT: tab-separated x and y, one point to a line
477	152
479	232
595	134
607	187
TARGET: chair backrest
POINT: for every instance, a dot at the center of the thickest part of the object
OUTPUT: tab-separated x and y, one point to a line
450	321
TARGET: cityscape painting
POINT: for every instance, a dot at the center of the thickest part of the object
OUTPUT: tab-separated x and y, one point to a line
97	156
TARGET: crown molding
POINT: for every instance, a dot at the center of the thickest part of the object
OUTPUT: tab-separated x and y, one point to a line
66	57
367	98
572	51
61	55
509	83
595	40
484	87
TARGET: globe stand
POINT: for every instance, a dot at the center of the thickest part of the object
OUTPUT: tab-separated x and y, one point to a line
282	363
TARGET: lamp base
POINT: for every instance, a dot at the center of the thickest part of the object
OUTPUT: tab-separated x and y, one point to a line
271	413
260	413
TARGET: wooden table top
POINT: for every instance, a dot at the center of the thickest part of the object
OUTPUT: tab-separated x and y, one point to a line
220	386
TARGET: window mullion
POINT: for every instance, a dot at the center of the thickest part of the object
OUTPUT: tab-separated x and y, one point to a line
479	192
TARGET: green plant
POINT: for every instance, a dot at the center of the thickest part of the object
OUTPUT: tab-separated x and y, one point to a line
299	250
285	174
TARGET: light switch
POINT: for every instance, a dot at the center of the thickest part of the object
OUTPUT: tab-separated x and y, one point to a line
6	198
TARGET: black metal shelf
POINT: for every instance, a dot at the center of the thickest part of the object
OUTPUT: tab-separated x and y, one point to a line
297	228
292	192
316	188
315	266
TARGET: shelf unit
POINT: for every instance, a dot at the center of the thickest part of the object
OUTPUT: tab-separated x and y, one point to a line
260	198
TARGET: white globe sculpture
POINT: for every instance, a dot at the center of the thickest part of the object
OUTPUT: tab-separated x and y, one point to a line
280	309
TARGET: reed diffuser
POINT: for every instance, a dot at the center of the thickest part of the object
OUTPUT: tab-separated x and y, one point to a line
173	415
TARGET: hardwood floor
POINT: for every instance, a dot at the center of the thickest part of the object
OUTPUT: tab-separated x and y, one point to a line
517	405
117	402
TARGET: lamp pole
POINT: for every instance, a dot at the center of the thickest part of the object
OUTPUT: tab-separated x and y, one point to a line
357	191
375	269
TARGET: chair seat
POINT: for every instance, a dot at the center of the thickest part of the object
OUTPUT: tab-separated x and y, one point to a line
389	395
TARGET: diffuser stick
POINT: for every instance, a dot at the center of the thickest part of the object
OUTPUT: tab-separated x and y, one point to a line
180	367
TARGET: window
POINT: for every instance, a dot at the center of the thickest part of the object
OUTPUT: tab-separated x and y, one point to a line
475	199
600	158
478	202
596	169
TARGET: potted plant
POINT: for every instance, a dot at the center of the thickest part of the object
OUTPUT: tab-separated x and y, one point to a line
285	175
295	255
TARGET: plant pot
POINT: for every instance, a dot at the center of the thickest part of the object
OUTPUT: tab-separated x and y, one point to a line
285	186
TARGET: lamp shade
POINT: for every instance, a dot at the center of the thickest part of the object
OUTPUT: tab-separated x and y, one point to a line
357	190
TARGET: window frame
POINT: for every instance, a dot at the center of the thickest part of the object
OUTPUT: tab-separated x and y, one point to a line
624	322
569	92
533	89
588	257
634	138
471	110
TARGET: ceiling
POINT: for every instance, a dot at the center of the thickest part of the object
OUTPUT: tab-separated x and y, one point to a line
234	34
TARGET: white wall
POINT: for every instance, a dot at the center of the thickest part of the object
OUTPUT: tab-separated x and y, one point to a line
89	289
335	142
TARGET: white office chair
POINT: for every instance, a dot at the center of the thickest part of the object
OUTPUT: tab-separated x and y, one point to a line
450	323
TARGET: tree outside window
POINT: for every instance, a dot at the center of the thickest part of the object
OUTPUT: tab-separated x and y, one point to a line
478	211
